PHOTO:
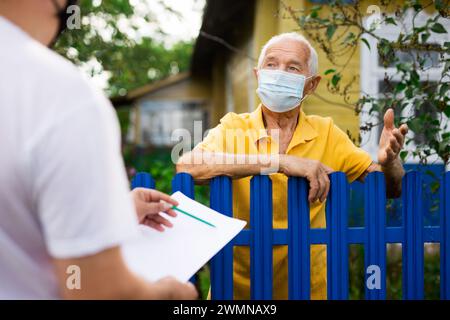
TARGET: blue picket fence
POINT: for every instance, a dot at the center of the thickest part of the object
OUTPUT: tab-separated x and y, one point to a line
337	236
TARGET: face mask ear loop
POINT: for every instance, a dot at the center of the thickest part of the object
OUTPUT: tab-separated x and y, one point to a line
306	95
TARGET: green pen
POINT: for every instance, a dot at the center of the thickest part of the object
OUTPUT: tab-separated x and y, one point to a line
192	216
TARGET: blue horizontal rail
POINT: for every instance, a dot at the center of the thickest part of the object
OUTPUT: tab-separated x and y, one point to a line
337	235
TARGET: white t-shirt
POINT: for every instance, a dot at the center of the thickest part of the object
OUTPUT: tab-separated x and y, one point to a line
63	187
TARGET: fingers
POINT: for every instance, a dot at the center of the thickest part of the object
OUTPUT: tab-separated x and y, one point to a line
170	288
394	145
157	207
326	183
389	119
171	213
189	292
319	185
390	154
152	224
157	222
314	186
398	136
158	196
404	129
324	186
161	220
328	170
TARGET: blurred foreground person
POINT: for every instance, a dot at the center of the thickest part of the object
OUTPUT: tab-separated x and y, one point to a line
65	206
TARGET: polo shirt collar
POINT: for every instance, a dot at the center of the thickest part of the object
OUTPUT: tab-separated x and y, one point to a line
304	131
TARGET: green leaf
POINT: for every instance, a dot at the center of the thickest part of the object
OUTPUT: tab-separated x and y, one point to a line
403	154
431	174
366	42
415	124
438	28
335	80
434	186
424	37
439	4
329	71
417	6
400	87
447	111
445	87
331	29
390	20
415	78
446	136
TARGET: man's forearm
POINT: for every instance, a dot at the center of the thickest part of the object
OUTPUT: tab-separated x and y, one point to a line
203	165
393	174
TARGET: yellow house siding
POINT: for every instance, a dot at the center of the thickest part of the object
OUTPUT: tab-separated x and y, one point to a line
265	26
217	91
238	71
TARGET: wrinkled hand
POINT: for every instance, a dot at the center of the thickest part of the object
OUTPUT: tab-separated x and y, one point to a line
391	140
149	203
171	289
313	170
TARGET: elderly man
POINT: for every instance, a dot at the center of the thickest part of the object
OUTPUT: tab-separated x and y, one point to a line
278	138
65	207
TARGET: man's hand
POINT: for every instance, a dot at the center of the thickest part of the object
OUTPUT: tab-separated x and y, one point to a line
149	203
316	173
171	289
391	140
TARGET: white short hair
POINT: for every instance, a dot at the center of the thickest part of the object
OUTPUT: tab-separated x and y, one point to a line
313	62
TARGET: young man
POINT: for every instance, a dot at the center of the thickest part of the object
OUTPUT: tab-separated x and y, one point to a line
64	199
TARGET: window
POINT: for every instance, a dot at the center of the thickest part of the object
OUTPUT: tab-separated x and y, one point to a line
158	119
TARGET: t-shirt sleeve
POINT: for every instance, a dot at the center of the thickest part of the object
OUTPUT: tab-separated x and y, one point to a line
79	184
215	140
353	161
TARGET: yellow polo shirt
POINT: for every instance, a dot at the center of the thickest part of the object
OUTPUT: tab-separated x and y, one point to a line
314	138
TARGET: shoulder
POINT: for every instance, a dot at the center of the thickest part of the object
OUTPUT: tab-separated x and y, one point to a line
236	120
64	76
53	82
320	124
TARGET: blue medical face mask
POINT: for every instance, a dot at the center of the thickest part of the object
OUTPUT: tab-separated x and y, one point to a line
280	91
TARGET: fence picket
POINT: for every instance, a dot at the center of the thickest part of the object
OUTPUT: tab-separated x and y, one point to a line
143	180
299	239
261	270
337	247
221	200
412	248
185	183
445	236
375	245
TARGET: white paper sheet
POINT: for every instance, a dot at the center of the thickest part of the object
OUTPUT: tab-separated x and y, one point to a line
182	250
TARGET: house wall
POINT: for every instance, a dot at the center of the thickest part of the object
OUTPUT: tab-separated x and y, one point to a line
233	88
188	89
218	99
